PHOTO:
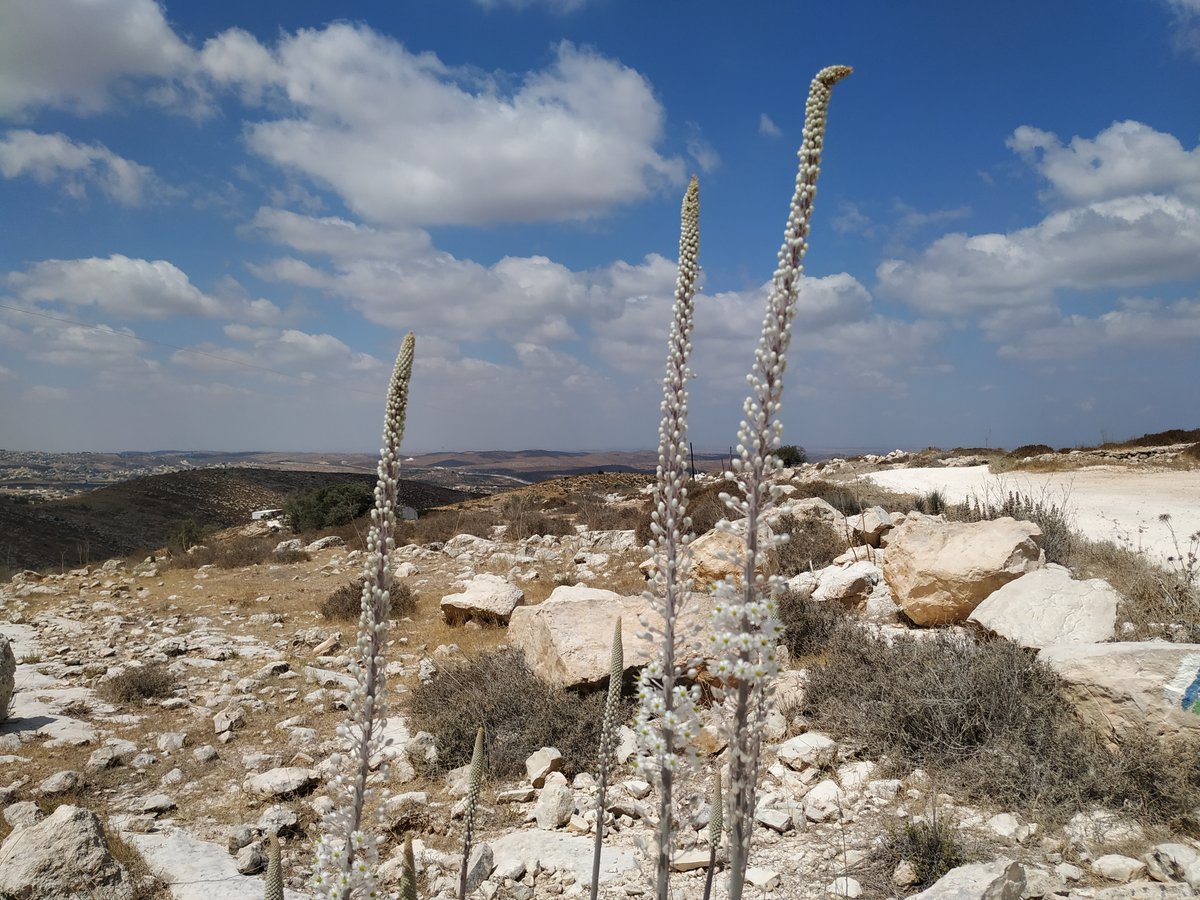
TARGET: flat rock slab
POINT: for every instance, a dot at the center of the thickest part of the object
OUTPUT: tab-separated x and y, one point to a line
564	852
1132	686
196	869
1049	607
487	598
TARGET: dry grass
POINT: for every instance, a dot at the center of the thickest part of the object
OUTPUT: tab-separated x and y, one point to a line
853	497
1159	602
345	603
519	714
236	553
1051	516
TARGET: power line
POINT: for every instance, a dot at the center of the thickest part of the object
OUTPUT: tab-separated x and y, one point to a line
103	329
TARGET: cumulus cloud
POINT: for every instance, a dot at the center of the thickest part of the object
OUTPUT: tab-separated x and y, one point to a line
1131	218
406	140
129	287
51	158
1125	158
78	54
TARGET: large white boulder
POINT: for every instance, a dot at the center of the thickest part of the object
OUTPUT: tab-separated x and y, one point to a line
1049	607
567	638
1148	687
487	598
940	571
64	855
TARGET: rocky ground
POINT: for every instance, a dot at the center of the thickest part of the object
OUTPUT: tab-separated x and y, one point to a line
241	746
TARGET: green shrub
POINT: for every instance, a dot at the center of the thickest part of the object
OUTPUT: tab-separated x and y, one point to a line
931	848
792	455
327	507
186	536
519	712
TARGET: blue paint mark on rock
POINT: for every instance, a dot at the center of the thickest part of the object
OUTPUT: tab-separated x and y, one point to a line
1191	696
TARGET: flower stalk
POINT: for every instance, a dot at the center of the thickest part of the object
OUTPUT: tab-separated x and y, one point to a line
612	706
746	628
347	853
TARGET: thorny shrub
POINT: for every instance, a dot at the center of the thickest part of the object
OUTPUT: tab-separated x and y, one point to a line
519	712
345	603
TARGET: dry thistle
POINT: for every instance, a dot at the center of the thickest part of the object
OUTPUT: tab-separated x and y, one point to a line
746	627
347	853
667	715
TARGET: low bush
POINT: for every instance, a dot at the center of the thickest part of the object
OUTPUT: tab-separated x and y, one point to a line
1027	450
991	723
138	683
345	604
327	507
812	544
792	455
525	518
852	498
440	525
519	713
931	848
704	507
808	626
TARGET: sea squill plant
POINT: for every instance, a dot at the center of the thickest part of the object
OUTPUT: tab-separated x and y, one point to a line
667	720
274	877
608	731
474	781
745	622
347	852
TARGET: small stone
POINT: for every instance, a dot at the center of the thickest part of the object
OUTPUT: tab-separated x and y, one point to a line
205	754
775	819
26	812
157	803
766	879
688	860
555	806
1115	867
59	783
905	874
846	887
251	859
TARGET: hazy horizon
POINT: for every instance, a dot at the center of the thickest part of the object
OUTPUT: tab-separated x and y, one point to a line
222	218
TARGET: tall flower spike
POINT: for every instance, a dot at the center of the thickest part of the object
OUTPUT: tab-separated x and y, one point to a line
667	716
347	854
474	780
715	828
612	706
274	877
746	628
407	889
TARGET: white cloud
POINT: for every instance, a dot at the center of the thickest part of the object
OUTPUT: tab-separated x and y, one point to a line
48	158
768	127
1136	323
129	287
76	54
1186	22
406	140
699	149
1125	158
1131	218
290	351
339	238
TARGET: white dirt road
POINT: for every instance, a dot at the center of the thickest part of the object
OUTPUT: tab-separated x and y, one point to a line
1114	504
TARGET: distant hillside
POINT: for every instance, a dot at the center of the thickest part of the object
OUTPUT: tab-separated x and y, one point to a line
540	465
145	512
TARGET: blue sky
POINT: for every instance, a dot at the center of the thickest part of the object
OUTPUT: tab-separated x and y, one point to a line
218	220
